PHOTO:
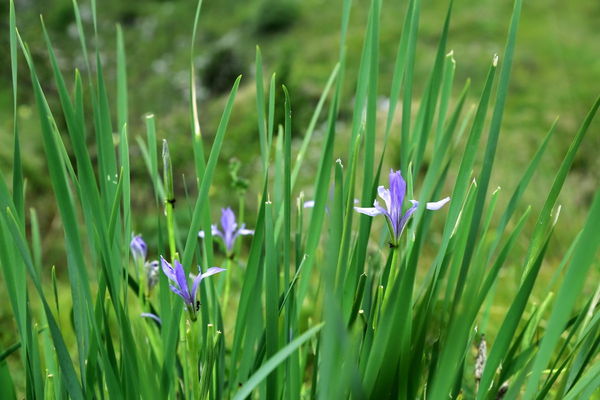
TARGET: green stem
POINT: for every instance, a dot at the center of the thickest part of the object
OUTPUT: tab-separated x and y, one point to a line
169	199
228	274
393	275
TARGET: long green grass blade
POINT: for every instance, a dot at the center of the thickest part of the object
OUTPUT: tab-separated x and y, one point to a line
274	361
583	257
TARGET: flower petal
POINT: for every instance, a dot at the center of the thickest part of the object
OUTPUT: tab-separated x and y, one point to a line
167	269
181	279
215	231
212	271
244	231
370	211
404	220
198	278
196	282
228	220
153	316
178	292
241	231
397	191
309	204
381	209
385	196
436	205
138	247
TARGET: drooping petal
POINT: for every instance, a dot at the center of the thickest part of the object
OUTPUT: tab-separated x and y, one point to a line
212	271
404	220
243	231
436	205
178	292
198	278
167	269
152	316
370	211
213	231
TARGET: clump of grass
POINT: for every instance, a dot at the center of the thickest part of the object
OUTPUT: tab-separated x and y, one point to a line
310	310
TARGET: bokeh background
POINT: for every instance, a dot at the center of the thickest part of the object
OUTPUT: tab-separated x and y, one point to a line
556	73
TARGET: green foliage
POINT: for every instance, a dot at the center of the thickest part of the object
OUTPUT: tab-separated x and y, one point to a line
274	16
322	305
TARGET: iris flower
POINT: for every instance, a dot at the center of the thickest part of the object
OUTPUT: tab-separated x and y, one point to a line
229	231
394	199
180	285
139	251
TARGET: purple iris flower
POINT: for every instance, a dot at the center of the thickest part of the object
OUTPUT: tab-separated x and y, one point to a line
394	199
138	247
230	230
180	287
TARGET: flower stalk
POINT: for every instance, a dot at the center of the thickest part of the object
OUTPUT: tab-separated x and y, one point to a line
169	199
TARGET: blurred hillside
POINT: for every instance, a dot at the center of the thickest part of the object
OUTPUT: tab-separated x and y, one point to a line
556	73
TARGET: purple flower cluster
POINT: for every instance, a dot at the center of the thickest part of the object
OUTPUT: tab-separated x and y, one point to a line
229	231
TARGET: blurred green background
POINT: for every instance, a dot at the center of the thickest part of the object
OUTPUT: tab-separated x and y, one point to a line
556	73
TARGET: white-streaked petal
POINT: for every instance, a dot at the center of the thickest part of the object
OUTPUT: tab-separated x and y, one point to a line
215	231
436	205
244	231
370	211
385	196
381	209
212	271
168	269
309	204
153	316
